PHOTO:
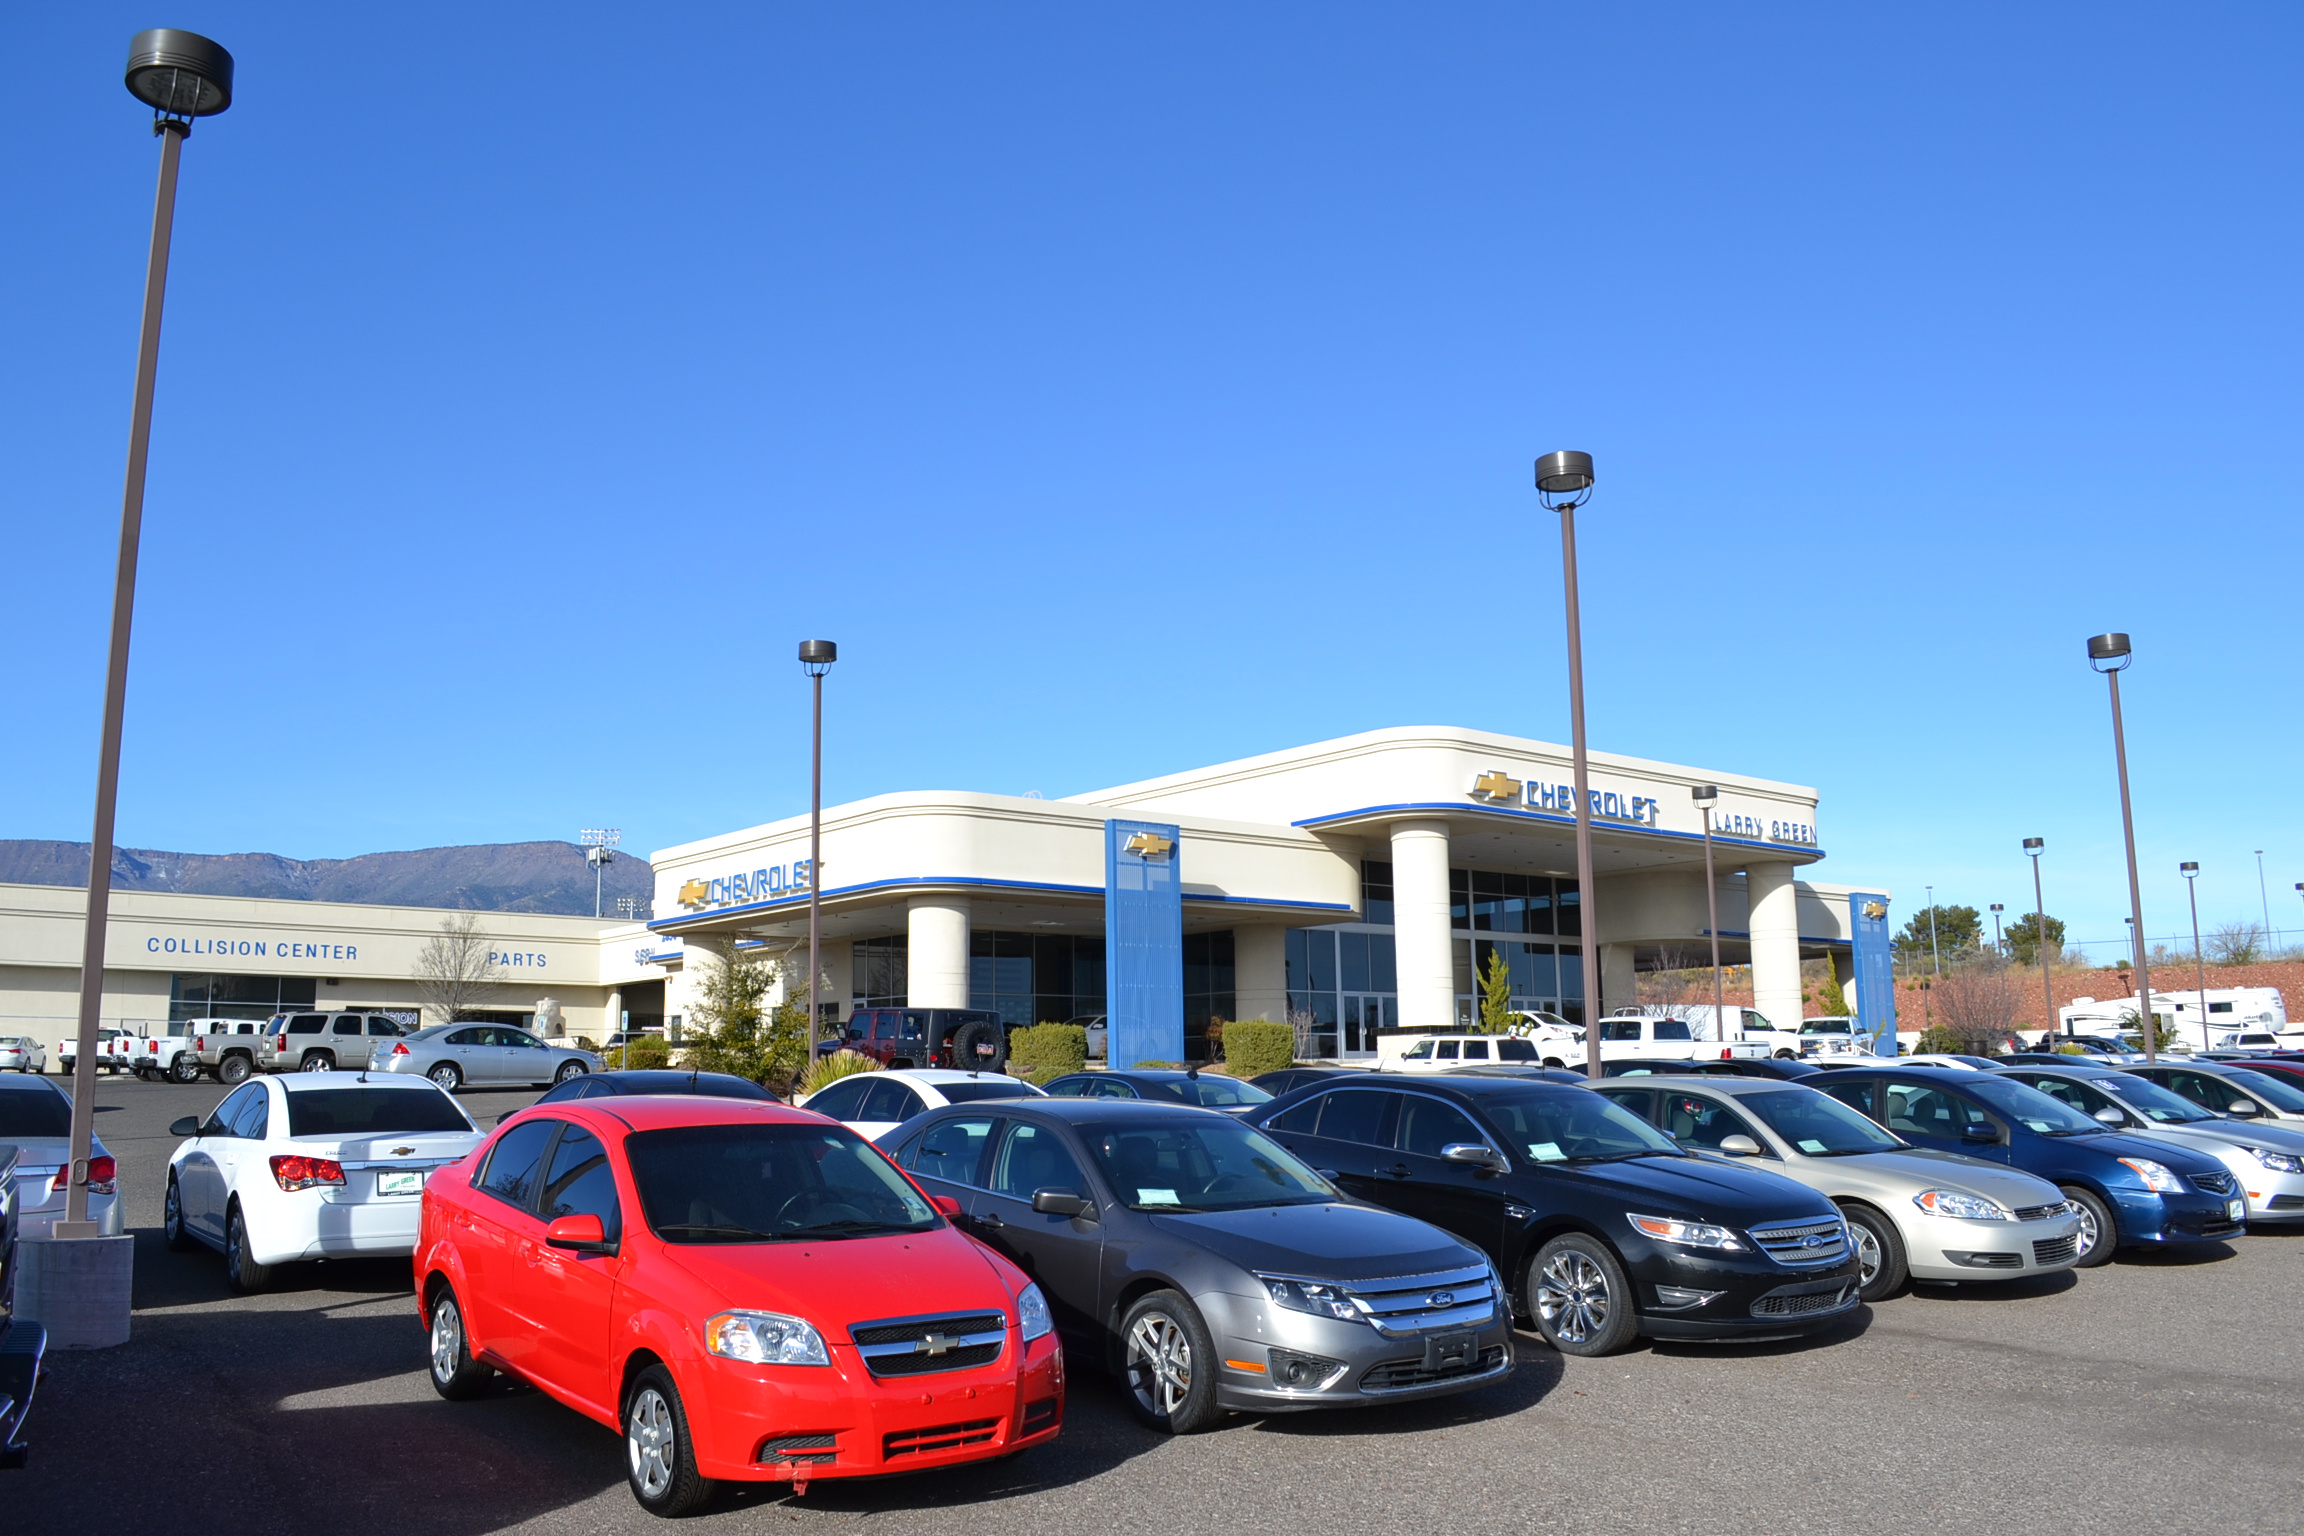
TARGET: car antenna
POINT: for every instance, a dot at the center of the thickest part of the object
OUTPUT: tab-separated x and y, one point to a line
1193	1072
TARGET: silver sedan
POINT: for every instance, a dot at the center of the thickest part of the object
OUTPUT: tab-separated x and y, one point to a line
22	1053
480	1056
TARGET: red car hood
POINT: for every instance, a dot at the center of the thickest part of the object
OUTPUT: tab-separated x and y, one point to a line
837	1284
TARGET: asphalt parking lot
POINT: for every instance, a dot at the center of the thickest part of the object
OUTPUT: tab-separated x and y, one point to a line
2162	1393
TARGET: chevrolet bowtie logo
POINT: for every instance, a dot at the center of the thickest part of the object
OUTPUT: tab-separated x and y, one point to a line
1149	845
1494	785
936	1344
402	1151
1875	910
695	893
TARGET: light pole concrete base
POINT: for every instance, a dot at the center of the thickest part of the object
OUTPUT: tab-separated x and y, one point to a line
77	1289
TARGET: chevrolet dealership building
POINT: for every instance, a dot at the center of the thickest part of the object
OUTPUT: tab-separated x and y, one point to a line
1362	882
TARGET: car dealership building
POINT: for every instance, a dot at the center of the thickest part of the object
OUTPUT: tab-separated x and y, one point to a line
1362	883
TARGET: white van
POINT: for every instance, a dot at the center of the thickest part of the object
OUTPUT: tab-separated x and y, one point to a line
1748	1025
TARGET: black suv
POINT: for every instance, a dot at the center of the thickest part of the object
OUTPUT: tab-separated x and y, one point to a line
963	1039
1602	1226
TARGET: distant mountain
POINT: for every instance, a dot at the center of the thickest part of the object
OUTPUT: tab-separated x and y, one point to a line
483	877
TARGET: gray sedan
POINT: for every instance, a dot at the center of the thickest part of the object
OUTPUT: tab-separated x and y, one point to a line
480	1056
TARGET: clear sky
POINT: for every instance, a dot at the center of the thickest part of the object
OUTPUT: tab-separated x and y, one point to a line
1127	388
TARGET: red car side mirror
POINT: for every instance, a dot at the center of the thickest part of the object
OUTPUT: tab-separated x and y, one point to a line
578	1234
946	1206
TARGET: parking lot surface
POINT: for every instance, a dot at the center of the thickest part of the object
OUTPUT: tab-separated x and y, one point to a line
2162	1394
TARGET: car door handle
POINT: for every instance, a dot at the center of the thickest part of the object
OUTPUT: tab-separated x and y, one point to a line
990	1221
1397	1171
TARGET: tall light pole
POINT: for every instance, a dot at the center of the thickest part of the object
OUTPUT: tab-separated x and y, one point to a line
816	658
1564	483
2110	655
599	852
1707	796
1996	941
1935	954
180	76
2263	895
2191	873
2032	850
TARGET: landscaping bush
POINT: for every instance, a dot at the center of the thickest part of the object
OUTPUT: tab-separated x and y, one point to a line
830	1069
1045	1052
1936	1040
647	1052
1253	1047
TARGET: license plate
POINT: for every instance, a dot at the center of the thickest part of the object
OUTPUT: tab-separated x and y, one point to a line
2236	1209
1451	1351
410	1183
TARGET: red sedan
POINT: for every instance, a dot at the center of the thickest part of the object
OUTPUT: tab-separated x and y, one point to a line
747	1291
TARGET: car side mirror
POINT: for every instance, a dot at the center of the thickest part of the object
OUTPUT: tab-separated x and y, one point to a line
1057	1201
1977	1131
1739	1145
1475	1154
578	1234
188	1126
946	1206
2246	1109
2111	1116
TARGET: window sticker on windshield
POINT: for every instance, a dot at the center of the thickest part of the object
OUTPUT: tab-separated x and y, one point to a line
1547	1152
2042	1127
1157	1197
1809	1145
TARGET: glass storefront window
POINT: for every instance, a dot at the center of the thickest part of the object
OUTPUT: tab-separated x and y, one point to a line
237	997
1376	891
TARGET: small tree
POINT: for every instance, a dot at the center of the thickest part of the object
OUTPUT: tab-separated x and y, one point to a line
1980	1003
2237	944
1831	1000
1946	931
2024	938
1302	1024
1495	995
456	970
736	1031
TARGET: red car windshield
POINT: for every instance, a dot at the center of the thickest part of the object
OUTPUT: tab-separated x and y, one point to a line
770	1183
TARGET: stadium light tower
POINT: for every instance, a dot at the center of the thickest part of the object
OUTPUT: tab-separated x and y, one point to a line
599	852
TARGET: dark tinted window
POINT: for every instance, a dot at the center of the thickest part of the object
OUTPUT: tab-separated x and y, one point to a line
988	1088
1033	1157
1857	1096
1515	1050
372	1111
468	1037
1427	1125
579	1184
512	1166
254	1116
1068	1088
574	1088
219	1121
1209	1091
889	1099
757	1182
840	1101
1671	1029
381	1026
30	1113
347	1026
1700	1122
1357	1114
952	1150
306	1024
1301	1119
1914	1110
713	1085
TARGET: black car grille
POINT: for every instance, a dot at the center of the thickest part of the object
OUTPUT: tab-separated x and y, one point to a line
2218	1183
944	1437
920	1346
2056	1250
1038	1416
800	1450
2286	1203
1802	1303
2041	1212
1804	1244
1400	1375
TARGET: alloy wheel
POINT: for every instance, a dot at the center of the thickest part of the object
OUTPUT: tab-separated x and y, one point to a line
648	1441
2086	1240
1867	1254
1572	1296
446	1076
1159	1364
447	1339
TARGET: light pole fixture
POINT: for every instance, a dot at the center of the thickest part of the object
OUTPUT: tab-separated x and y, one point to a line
180	76
1996	911
2264	896
816	658
1564	483
599	852
1707	796
2110	655
1935	954
2033	846
2191	873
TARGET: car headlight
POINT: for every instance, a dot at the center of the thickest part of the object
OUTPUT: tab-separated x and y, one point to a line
1950	1202
1314	1296
1688	1234
1032	1313
765	1338
2279	1162
2155	1175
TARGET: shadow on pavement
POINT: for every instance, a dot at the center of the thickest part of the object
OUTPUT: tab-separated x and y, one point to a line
1536	1370
1852	1326
2178	1256
2026	1289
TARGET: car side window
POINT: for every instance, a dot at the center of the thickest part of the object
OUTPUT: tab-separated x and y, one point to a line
1113	1088
1672	1029
2085	1100
952	1150
1299	1119
1475	1050
1445	1050
1033	1157
884	1026
890	1100
1421	1051
384	1027
467	1037
255	1116
840	1100
1640	1101
1620	1029
1920	1111
1358	1115
579	1183
1068	1088
915	1026
1699	1122
1857	1096
347	1025
512	1166
2193	1085
1427	1125
219	1121
520	1038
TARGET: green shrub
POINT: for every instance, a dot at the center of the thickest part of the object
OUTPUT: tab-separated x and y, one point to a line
647	1052
1253	1047
1156	1066
1936	1040
830	1069
1045	1052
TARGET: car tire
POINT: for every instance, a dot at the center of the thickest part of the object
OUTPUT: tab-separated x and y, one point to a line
1786	1055
970	1037
1577	1293
184	1069
240	1267
659	1453
2099	1236
232	1071
317	1061
178	1236
455	1375
1168	1364
1879	1249
446	1077
568	1069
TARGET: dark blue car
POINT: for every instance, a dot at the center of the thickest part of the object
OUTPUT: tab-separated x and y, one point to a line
2133	1190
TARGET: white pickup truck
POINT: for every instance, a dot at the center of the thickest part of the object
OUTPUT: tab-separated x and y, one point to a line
1648	1037
172	1054
111	1051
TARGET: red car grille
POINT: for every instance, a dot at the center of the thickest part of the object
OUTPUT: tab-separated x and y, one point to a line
944	1437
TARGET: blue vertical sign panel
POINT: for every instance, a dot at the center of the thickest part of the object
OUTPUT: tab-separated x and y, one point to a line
1143	944
1875	970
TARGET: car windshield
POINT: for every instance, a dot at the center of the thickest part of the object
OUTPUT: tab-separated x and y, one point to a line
34	1114
986	1088
372	1111
2029	1107
1208	1092
2271	1090
1568	1125
2151	1100
770	1183
1817	1124
1206	1164
1827	1027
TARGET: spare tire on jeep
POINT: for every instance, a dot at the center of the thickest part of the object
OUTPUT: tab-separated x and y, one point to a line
980	1045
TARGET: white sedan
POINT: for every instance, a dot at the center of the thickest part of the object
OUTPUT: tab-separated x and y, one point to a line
874	1103
317	1165
22	1053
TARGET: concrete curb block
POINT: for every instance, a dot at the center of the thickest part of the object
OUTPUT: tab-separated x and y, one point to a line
78	1289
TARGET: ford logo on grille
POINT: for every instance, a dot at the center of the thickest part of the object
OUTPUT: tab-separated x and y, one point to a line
1441	1299
1814	1240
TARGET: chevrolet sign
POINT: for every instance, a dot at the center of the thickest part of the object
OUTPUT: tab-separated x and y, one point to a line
695	893
1149	845
1494	785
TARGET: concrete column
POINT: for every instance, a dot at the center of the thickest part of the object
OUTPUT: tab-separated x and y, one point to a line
936	964
1844	972
1619	984
1775	927
840	974
1260	972
1420	924
615	1012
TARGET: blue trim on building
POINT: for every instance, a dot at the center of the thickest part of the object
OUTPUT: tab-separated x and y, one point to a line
1746	933
1459	808
667	924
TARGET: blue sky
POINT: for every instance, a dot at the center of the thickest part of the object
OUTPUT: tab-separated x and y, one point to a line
1128	388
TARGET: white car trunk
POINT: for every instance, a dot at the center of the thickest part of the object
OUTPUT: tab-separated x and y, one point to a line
381	1167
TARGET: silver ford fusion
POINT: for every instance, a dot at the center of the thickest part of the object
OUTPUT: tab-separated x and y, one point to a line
1915	1212
1214	1271
480	1056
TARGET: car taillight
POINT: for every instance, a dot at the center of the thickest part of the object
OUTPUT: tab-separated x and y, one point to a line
103	1176
400	1048
294	1171
1726	1054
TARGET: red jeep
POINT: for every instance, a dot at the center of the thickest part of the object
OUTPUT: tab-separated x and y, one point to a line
963	1039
